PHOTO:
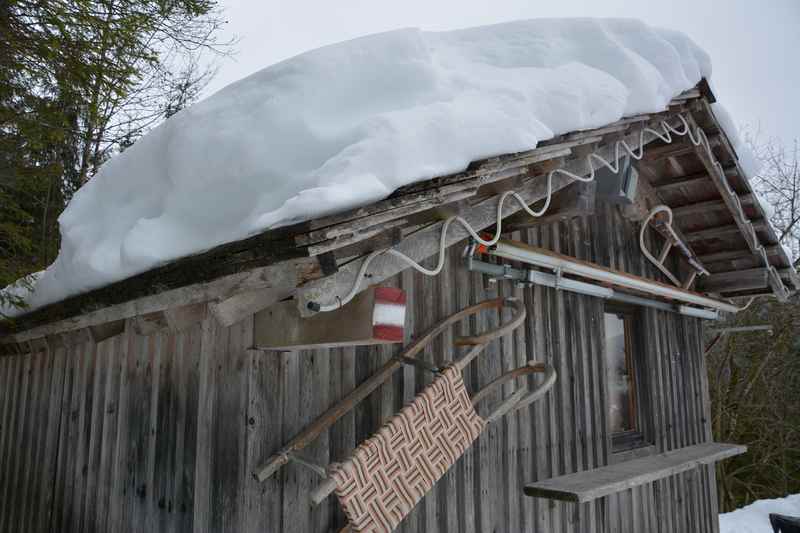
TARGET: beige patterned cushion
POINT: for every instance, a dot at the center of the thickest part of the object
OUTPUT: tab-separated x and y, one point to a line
392	470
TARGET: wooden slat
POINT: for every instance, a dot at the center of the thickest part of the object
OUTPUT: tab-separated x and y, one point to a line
735	280
587	486
701	208
720	232
682	183
96	418
205	430
110	412
10	521
8	436
733	255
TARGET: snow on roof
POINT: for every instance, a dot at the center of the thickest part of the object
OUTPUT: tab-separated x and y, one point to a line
347	124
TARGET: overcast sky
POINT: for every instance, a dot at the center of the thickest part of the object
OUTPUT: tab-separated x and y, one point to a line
754	44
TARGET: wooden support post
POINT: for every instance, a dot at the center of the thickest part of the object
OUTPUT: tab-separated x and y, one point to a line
231	310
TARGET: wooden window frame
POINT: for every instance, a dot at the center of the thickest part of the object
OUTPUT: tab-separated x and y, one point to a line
632	442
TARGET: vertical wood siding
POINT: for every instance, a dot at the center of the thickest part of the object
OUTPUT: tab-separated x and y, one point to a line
162	433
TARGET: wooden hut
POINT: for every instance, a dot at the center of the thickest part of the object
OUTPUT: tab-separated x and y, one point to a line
149	404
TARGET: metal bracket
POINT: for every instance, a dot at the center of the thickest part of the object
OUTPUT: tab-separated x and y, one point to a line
314	467
419	363
559	274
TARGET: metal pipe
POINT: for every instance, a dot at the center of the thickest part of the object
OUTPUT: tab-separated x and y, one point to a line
550	280
544	258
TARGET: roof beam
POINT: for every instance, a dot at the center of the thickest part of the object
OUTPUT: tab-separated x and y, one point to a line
720	232
731	200
735	280
684	181
733	255
675	149
711	205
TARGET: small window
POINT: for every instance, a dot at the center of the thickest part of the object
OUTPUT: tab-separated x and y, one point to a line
626	422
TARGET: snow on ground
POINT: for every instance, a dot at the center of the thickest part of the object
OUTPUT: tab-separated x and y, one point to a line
347	124
754	518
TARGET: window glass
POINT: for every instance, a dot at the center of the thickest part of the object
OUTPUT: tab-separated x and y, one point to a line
621	393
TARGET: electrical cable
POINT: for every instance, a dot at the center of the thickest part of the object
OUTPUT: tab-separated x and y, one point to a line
665	135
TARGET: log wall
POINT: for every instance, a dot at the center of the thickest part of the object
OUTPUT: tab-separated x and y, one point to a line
161	433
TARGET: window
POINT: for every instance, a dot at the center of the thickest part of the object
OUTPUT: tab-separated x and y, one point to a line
624	379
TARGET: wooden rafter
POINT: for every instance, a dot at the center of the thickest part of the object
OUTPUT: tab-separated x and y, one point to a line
745	226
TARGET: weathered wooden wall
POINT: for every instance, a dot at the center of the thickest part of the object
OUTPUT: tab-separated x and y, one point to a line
161	433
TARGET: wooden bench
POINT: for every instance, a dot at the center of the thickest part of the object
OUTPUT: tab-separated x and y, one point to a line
592	484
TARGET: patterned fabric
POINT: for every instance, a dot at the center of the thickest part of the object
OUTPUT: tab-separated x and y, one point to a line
392	470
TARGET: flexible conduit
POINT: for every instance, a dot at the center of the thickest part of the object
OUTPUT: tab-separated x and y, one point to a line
636	153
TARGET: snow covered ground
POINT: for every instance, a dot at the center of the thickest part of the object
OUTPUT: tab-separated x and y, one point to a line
346	124
754	518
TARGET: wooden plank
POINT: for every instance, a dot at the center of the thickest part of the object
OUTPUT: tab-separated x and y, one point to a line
425	301
342	434
158	351
84	433
117	511
141	436
734	255
60	478
228	434
676	148
720	232
709	206
188	398
263	502
465	490
238	307
587	486
682	183
295	492
113	353
8	436
11	519
283	274
32	455
575	200
319	452
735	280
488	489
550	349
206	405
95	444
164	408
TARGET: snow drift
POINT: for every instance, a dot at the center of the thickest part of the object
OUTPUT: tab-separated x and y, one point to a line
347	124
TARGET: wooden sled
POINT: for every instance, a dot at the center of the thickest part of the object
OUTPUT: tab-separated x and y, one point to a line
392	470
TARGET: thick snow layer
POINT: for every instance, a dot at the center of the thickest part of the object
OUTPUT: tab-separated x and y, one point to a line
788	251
754	518
747	159
767	207
347	124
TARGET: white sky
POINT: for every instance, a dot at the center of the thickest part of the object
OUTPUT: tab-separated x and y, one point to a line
754	44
